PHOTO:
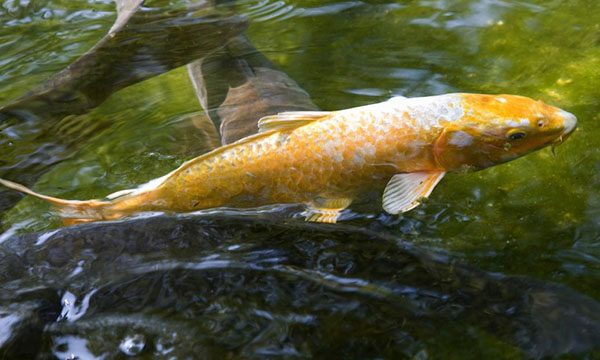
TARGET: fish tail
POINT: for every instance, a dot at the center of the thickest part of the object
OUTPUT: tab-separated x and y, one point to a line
71	211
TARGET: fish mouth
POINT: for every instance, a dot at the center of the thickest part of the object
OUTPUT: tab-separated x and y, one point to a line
569	122
569	125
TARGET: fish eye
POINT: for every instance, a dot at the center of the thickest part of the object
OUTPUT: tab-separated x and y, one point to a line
516	135
541	123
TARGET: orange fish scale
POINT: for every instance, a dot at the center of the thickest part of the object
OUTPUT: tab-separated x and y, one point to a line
338	156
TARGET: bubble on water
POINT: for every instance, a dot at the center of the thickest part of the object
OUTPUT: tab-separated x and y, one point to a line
72	308
133	345
166	345
45	236
14	229
7	320
72	348
421	355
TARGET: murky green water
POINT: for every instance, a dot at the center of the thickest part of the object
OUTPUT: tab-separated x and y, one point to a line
536	217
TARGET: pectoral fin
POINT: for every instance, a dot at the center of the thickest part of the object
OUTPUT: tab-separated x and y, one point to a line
403	191
326	210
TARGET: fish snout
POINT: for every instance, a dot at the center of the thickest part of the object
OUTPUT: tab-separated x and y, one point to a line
569	122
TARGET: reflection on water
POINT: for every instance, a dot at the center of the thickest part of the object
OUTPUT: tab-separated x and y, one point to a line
50	122
220	287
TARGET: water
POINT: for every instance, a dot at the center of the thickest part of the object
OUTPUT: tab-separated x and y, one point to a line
227	290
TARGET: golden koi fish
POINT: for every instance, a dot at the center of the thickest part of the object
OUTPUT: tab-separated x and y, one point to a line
326	159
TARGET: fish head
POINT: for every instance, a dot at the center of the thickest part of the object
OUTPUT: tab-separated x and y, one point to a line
498	128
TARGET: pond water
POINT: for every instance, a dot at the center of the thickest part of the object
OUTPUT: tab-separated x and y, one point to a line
251	287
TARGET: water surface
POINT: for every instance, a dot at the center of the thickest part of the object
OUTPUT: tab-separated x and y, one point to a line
536	217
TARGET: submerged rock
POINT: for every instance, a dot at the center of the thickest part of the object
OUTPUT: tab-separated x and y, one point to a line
253	287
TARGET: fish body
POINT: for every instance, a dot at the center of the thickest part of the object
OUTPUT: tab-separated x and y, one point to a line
327	159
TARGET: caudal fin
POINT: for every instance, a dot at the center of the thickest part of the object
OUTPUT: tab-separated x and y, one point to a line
71	211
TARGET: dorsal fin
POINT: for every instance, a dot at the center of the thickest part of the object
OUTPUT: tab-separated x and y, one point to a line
289	119
119	194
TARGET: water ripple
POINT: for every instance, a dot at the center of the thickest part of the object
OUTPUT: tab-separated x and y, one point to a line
280	10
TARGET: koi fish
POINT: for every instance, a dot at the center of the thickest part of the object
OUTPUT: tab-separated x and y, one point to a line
327	159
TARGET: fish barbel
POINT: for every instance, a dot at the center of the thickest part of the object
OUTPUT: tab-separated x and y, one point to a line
327	159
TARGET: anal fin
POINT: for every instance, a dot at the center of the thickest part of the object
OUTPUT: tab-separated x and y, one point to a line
326	210
403	191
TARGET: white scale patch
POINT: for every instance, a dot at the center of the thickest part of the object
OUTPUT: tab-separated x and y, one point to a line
333	146
383	118
358	159
461	139
517	123
430	111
